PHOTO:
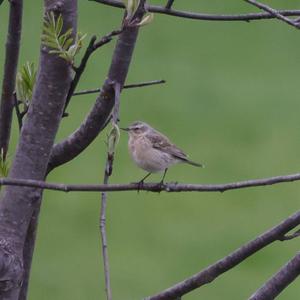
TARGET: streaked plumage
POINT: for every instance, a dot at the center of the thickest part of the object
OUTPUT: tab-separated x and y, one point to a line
151	150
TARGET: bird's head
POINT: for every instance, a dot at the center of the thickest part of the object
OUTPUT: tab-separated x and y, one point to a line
137	129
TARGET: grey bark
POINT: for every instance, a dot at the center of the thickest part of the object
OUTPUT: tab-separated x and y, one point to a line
213	271
10	71
275	285
18	204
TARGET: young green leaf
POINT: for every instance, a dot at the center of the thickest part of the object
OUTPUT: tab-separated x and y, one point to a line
4	166
113	139
25	82
146	20
131	7
62	44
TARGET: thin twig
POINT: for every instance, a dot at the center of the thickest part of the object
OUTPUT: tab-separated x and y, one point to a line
275	285
107	173
201	16
91	48
151	187
128	86
169	4
103	232
274	12
10	71
213	271
18	112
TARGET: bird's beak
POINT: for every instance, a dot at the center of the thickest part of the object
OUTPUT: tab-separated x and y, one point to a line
125	129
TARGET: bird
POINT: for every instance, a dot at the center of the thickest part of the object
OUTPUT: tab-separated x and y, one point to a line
152	151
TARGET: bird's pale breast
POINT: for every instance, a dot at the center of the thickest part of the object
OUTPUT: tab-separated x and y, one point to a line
148	158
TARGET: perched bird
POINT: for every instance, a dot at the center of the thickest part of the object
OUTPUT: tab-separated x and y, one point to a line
152	151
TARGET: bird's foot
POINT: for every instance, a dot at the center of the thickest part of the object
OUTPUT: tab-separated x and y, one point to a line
139	184
161	185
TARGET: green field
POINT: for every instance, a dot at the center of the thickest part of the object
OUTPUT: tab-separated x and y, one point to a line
232	102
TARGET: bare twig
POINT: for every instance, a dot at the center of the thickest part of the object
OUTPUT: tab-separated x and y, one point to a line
107	173
230	261
201	16
275	285
128	86
10	71
151	187
91	48
18	112
103	231
274	12
169	4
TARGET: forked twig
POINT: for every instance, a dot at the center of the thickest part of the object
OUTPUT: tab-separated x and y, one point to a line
228	262
274	12
91	48
202	16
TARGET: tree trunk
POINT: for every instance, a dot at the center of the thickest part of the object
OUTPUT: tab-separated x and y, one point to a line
32	155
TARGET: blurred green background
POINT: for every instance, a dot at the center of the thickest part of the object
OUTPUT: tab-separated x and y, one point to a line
232	102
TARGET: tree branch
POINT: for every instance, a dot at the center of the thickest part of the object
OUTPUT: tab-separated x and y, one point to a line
275	285
127	86
230	261
100	113
151	187
91	48
201	16
274	12
10	71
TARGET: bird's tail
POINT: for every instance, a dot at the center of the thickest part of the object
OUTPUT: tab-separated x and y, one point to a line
194	163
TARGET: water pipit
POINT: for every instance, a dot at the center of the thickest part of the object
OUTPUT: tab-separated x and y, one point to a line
152	151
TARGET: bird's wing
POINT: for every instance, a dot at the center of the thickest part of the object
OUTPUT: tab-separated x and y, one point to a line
162	143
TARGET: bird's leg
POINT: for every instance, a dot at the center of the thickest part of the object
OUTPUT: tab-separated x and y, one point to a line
141	182
162	180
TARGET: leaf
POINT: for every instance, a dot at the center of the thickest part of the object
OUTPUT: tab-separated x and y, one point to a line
146	20
25	82
131	7
113	139
58	25
4	165
62	44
